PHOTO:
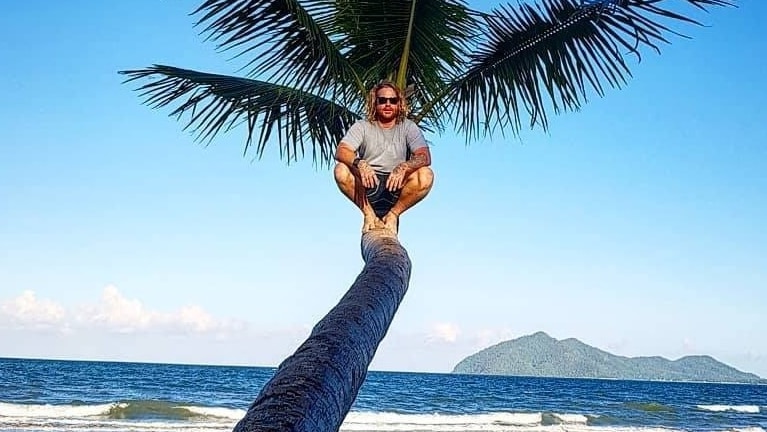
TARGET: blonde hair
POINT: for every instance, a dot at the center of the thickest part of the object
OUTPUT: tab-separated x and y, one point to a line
402	106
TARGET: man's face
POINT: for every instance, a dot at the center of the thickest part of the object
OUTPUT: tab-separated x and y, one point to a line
386	110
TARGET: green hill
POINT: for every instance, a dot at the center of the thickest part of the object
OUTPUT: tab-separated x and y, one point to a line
541	355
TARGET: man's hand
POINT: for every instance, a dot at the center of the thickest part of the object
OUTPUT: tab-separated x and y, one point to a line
420	158
397	178
367	174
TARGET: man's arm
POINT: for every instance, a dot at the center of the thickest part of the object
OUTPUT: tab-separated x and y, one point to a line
421	157
346	155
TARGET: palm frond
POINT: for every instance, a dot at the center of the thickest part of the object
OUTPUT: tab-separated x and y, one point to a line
550	54
216	103
289	42
439	44
376	37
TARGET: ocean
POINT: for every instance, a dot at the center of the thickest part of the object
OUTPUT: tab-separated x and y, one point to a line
74	396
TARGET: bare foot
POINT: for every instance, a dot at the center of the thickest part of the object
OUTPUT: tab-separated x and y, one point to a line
391	222
371	222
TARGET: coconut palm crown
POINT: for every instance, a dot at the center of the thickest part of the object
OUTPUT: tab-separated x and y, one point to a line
310	63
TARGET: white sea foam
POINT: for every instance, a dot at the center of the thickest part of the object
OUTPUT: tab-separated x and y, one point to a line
491	422
85	411
107	425
572	418
84	418
227	413
55	411
71	418
751	409
386	418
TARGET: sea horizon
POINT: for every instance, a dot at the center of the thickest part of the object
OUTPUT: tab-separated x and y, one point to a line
236	365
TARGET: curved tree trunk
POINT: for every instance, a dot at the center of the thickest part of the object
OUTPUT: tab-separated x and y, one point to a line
313	389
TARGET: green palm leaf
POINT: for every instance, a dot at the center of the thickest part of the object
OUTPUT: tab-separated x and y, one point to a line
549	55
216	103
289	41
417	43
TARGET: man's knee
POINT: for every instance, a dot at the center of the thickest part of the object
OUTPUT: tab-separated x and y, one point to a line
424	177
342	173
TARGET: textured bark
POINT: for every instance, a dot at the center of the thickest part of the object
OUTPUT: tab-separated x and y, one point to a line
313	389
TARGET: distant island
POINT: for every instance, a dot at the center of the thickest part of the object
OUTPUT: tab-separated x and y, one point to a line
541	355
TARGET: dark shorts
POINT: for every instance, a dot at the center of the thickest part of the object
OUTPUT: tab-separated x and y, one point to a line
380	198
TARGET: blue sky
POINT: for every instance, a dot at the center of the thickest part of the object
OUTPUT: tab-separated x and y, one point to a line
635	225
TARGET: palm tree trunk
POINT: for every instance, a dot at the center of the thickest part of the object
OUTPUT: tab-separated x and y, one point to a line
313	389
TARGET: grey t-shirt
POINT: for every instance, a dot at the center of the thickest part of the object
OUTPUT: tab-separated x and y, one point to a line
382	148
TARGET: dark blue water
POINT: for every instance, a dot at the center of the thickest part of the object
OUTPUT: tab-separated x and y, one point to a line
37	395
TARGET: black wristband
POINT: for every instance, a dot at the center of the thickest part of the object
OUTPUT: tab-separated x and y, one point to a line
356	162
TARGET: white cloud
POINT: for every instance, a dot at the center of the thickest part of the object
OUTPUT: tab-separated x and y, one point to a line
195	318
28	311
118	313
112	313
444	332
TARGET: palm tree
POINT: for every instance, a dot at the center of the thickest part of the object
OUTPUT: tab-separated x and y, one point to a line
475	73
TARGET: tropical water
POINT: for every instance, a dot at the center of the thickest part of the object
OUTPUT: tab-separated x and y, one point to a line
71	396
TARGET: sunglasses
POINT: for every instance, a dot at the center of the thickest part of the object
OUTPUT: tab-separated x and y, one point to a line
380	100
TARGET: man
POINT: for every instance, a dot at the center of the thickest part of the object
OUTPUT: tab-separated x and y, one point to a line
374	170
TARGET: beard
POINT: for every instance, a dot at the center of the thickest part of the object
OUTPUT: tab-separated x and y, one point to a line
381	114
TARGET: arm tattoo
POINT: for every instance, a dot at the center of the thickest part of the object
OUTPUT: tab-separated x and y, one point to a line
417	160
